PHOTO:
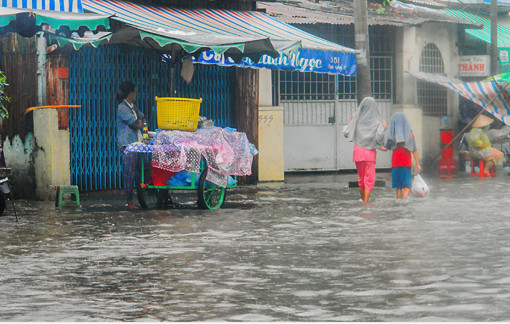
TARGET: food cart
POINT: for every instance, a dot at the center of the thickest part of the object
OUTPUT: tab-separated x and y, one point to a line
211	156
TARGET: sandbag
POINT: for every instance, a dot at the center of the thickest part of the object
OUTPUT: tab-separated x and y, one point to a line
418	187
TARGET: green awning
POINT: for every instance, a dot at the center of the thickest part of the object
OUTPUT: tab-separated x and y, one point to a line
189	46
484	33
6	17
76	43
179	44
27	22
74	21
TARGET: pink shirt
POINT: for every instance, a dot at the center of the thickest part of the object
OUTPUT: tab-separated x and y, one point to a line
360	154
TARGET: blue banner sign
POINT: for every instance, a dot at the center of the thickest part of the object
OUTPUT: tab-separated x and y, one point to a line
306	60
500	2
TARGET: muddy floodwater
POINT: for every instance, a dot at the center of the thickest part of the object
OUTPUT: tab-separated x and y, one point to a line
305	250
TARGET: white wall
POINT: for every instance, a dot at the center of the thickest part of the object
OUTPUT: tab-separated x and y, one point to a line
410	43
53	159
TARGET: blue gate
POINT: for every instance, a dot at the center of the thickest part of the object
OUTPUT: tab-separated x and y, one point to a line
94	78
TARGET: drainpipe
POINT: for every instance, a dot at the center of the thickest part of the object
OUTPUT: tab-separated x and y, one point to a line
41	69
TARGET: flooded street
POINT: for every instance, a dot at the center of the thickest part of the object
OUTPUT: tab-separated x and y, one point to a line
306	250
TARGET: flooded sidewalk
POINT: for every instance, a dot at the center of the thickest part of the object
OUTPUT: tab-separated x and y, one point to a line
304	250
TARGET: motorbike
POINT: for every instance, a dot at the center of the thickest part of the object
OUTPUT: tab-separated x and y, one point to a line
5	185
5	188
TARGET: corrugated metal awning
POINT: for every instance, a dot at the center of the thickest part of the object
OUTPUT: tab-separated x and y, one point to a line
299	15
485	32
341	12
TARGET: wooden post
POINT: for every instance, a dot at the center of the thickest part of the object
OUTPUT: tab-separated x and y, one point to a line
246	111
58	87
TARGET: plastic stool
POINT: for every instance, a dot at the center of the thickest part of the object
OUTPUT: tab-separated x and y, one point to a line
73	191
481	166
447	168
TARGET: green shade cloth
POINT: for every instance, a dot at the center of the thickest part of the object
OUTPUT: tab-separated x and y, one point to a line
500	77
484	33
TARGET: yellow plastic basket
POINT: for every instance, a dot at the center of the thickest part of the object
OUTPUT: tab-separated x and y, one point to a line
178	113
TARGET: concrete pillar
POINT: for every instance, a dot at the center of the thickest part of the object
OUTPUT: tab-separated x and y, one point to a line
271	166
270	148
407	58
53	157
265	88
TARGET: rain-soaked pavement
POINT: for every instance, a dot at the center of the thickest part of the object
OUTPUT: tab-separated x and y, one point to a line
307	250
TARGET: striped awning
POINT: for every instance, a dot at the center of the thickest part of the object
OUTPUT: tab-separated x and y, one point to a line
53	5
215	27
487	93
248	24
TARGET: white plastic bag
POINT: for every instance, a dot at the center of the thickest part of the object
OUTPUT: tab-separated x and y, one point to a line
418	187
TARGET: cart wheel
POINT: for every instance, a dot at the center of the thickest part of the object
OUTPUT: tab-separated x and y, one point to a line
2	203
210	195
149	198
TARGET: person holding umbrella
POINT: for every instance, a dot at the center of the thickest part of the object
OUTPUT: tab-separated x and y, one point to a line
366	130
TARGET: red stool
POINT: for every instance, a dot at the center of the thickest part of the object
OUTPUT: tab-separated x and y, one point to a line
481	166
447	168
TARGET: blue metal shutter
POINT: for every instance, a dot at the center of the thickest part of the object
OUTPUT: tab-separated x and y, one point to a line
94	77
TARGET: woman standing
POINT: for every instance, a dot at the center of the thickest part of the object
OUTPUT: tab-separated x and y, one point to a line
129	122
366	130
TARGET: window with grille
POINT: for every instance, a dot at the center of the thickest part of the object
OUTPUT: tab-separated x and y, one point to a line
315	86
292	86
431	97
305	85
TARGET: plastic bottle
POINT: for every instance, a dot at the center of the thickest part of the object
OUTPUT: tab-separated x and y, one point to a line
145	133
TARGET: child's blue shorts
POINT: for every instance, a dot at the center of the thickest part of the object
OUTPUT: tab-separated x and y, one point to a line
401	177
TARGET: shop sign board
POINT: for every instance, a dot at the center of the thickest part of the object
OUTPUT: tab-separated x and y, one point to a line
474	66
305	60
503	55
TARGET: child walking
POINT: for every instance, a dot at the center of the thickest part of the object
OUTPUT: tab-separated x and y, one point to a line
401	141
366	130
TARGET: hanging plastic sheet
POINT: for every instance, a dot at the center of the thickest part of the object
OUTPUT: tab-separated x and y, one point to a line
225	151
489	94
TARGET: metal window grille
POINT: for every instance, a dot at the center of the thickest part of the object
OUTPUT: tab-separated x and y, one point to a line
431	97
314	86
291	86
306	86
